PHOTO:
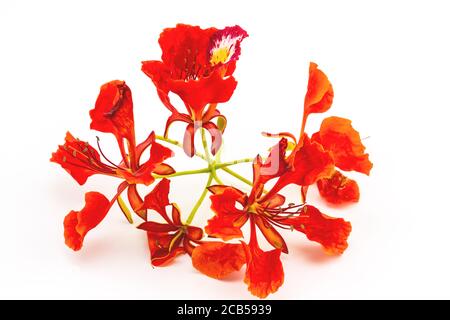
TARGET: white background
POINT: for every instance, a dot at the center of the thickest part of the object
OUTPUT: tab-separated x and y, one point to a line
389	65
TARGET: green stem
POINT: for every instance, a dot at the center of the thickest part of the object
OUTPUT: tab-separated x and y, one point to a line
211	162
233	162
178	144
237	175
182	173
223	166
200	200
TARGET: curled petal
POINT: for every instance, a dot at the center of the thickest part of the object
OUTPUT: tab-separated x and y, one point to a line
264	273
344	143
78	223
338	189
331	233
319	96
113	112
217	259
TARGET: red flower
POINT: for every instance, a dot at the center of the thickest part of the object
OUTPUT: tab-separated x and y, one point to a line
303	167
331	233
167	240
228	220
338	188
197	64
78	223
113	113
344	143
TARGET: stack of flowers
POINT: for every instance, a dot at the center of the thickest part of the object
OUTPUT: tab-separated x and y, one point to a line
198	65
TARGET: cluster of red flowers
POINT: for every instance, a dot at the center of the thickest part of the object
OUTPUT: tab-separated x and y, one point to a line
198	65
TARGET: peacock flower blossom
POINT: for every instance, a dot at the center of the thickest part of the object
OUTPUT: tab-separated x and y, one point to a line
197	65
113	113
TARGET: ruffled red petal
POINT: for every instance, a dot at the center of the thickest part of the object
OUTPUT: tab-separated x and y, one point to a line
217	259
344	143
78	223
331	233
185	50
113	112
319	96
338	189
264	273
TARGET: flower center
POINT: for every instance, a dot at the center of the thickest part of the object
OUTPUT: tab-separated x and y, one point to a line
220	55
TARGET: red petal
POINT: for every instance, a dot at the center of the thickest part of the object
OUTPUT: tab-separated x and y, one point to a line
217	259
141	147
163	169
194	233
185	50
161	77
338	136
331	233
136	202
272	236
199	93
158	198
159	153
164	247
176	217
319	96
338	188
78	223
310	163
157	227
79	159
264	273
113	112
227	222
